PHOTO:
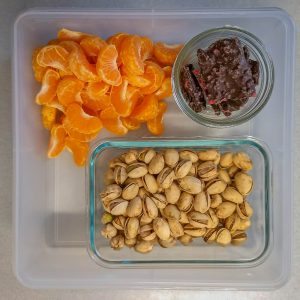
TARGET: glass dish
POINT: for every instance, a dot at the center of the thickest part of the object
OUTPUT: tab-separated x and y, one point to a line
188	55
252	252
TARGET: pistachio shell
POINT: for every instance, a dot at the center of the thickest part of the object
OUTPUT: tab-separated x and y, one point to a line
225	209
231	194
136	170
146	155
216	200
117	242
119	222
202	202
130	191
172	193
143	246
156	164
149	208
223	237
226	160
170	242
193	231
118	206
216	187
190	184
131	229
175	227
242	161
135	207
188	155
210	154
161	228
130	156
109	231
224	176
150	183
198	219
182	168
111	192
171	212
185	202
185	239
171	157
243	183
159	200
130	242
244	210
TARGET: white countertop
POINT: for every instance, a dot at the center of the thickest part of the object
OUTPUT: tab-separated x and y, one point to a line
10	288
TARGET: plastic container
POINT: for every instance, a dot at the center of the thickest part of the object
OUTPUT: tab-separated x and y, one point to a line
251	253
50	206
257	51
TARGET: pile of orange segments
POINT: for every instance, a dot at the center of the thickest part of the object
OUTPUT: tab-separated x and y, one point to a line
88	83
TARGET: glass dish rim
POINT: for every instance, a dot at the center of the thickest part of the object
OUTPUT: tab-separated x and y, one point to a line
264	57
166	142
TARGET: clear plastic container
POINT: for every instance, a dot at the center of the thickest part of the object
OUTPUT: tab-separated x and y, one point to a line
50	206
253	252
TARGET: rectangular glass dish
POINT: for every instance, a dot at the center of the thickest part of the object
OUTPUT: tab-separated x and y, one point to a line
252	252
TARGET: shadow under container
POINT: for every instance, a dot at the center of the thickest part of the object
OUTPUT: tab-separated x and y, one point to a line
251	253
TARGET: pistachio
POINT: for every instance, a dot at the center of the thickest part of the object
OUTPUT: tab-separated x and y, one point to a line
136	170
171	157
118	206
242	161
135	207
213	221
132	226
231	194
143	246
109	231
188	155
205	167
130	242
130	191
161	228
210	154
198	219
193	231
165	178
106	218
223	237
238	237
149	208
183	218
210	235
170	242
146	155
172	193
224	176
244	210
112	191
138	181
175	227
190	184
202	202
185	202
225	209
243	183
109	177
217	159
117	242
119	222
226	160
150	183
217	187
130	156
185	239
145	219
159	200
232	223
193	170
156	164
233	170
147	233
216	200
209	175
116	162
244	224
143	193
171	212
182	168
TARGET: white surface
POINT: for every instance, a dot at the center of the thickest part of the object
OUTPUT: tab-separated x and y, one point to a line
9	287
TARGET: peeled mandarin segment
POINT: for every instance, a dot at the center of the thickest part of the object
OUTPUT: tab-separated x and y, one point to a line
81	121
57	141
135	80
55	104
155	126
54	56
38	71
66	34
112	122
107	67
92	45
100	103
131	124
68	89
117	40
48	116
131	56
69	45
76	134
63	74
147	48
146	110
97	89
48	88
165	90
78	149
166	54
167	70
80	66
155	74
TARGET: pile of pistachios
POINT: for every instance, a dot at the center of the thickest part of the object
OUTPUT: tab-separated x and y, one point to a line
158	197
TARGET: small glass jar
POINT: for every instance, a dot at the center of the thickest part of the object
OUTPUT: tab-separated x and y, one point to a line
188	55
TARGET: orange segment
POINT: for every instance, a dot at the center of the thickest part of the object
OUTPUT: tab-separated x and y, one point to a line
135	80
147	48
117	40
112	122
68	90
48	116
131	56
93	104
165	90
38	70
92	45
156	126
63	74
69	45
54	56
78	149
107	67
55	104
66	34
165	53
48	88
147	109
81	121
131	124
97	89
57	141
80	66
155	74
167	70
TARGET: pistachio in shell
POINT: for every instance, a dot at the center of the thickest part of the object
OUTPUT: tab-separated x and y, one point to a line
130	156
244	210
130	191
238	237
112	191
242	161
132	226
232	223
171	157
130	242
183	168
231	194
119	222
213	219
243	183
135	207
171	212
193	170
216	200
109	177
198	219
120	175
210	154
193	231
225	209
172	193
185	202
165	178
170	242
146	155
188	155
143	193
150	183
244	224
202	202
118	206
190	184
115	162
161	228
216	187
109	231
210	235
160	200
136	170
138	181
205	167
149	208
147	233
233	170
223	237
175	227
145	219
117	242
224	176
226	160
185	239
156	164
143	246
183	218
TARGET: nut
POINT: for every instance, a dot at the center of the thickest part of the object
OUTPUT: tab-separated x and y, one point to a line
161	228
159	200
171	157
243	183
198	219
106	218
213	219
138	181
144	220
242	161
170	242
130	242
109	231
238	237
149	208
232	171
244	224
147	233
175	227
146	155
188	155
185	202
143	246
193	170
225	209
224	176
165	178
119	222
172	193
216	200
210	154
232	223
156	164
131	229
130	191
226	160
185	239
135	207
109	177
183	168
223	237
205	168
183	218
117	242
118	206
130	156
193	231
202	202
112	191
210	235
244	210
136	170
231	194
190	184
116	162
150	183
216	187
143	193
